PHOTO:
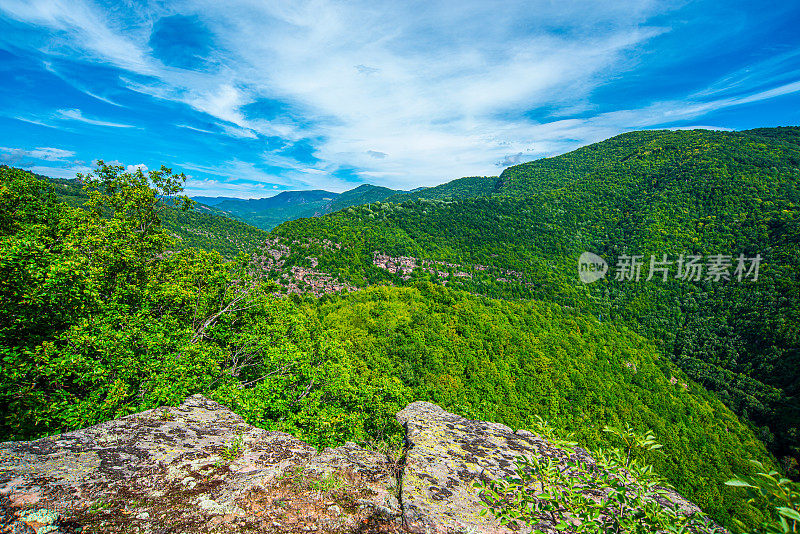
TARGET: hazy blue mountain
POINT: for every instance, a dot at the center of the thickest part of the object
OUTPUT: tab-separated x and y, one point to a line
212	201
269	212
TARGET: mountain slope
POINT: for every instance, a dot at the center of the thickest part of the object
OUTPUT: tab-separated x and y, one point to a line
266	213
649	193
513	361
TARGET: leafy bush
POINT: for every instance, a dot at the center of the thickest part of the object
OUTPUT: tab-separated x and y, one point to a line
617	493
781	494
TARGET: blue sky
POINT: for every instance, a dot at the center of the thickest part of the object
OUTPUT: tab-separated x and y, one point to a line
249	98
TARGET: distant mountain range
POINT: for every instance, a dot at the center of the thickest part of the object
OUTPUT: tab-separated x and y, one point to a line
267	213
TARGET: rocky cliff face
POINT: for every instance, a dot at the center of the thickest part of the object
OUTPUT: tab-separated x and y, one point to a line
200	468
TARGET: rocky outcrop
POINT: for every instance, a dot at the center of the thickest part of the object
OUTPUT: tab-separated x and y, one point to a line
447	453
200	468
194	468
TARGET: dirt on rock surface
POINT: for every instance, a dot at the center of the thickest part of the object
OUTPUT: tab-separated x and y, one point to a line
447	453
197	467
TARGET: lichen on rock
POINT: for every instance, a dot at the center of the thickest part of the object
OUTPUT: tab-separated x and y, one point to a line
447	453
176	470
199	468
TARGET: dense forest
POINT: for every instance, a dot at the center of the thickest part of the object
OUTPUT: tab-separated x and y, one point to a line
119	295
468	187
647	193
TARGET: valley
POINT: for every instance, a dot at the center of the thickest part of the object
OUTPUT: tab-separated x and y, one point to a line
466	295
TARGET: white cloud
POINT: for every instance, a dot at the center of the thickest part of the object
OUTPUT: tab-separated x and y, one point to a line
14	155
134	168
49	161
77	115
195	129
439	87
425	85
69	172
51	154
36	122
88	29
240	173
221	188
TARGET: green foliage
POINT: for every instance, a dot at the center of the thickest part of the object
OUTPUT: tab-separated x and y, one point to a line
515	362
98	320
234	450
211	232
781	494
615	493
195	226
328	482
653	192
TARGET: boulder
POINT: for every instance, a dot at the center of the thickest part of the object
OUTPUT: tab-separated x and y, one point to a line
448	453
197	467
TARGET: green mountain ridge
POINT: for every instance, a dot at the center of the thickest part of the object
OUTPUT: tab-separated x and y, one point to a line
363	194
267	213
648	193
467	187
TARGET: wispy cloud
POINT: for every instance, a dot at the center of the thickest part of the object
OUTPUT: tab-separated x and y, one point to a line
77	115
37	122
50	161
195	128
43	153
220	188
400	94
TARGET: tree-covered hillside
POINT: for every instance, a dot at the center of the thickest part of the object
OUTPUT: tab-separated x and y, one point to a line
267	213
98	320
649	193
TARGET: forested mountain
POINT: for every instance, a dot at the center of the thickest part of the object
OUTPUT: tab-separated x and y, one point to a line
648	193
105	312
363	194
267	213
98	321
